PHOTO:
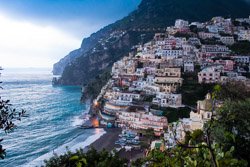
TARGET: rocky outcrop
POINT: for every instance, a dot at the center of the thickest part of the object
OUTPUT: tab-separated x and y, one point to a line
60	66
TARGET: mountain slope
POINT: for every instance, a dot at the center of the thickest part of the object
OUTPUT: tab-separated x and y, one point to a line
103	48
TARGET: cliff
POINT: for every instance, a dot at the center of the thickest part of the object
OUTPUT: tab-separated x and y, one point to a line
103	48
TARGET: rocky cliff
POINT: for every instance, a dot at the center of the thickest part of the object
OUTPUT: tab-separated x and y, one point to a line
103	48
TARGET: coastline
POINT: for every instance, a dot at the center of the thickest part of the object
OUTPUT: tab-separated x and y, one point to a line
107	142
63	148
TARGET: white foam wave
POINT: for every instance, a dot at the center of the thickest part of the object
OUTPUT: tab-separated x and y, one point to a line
77	121
72	146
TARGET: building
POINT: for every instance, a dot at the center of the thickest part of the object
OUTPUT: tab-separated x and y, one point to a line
168	72
194	41
168	84
176	132
181	23
168	100
215	49
142	120
209	75
227	40
228	65
198	24
151	89
203	114
170	53
111	109
188	66
168	79
205	107
208	35
244	35
242	59
125	98
214	28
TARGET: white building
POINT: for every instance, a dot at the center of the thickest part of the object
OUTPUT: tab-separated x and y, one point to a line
214	49
194	41
170	53
208	35
188	66
242	59
215	29
244	35
121	98
198	24
142	120
168	100
227	40
181	23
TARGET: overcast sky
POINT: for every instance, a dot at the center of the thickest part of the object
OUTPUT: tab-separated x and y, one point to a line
37	33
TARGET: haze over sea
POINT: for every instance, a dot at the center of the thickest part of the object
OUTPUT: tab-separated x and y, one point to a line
54	116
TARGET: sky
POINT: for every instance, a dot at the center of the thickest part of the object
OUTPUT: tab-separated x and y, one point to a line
38	33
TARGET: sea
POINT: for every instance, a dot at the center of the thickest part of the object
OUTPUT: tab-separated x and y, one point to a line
54	116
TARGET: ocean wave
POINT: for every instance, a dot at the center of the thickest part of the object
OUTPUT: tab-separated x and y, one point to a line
72	146
77	121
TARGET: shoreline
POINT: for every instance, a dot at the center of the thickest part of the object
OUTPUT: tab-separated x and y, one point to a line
107	142
62	149
103	140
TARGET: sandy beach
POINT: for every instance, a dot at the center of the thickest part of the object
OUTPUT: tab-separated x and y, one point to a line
107	142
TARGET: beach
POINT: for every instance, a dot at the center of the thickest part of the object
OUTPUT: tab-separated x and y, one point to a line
107	142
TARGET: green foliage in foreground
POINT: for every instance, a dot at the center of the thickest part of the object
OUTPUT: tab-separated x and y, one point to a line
91	158
191	157
232	128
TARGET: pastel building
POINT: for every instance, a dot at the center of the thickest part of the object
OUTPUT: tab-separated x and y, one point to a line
228	65
168	100
242	59
142	120
170	53
203	114
169	79
188	66
209	75
181	23
244	35
227	40
208	35
215	49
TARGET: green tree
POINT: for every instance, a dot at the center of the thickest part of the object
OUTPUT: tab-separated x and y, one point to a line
232	127
192	156
91	158
233	91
